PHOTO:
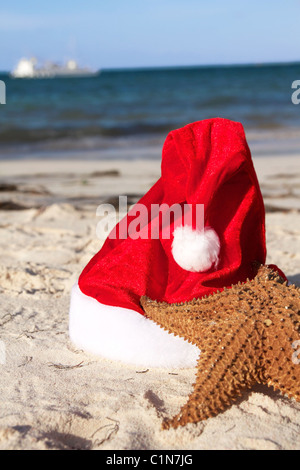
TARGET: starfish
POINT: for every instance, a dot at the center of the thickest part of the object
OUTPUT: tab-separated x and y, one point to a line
247	334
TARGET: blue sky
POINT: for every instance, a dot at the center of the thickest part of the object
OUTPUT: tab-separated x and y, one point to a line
135	33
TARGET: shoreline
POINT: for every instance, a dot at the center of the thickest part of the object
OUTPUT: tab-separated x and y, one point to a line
263	142
35	166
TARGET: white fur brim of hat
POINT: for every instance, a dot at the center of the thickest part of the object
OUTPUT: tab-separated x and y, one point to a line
125	335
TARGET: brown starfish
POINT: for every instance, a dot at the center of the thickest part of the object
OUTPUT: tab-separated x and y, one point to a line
246	334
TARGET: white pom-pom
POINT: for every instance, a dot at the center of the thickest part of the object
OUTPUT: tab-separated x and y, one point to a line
195	250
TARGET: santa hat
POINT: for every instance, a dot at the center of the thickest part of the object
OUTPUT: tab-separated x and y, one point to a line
204	164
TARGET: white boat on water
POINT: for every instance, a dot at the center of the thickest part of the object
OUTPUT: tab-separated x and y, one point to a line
29	68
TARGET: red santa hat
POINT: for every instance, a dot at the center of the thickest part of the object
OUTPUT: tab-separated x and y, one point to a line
204	164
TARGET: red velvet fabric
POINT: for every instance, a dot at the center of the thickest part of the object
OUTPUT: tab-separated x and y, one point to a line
206	162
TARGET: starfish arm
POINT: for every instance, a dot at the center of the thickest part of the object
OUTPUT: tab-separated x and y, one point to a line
281	342
287	379
173	318
227	365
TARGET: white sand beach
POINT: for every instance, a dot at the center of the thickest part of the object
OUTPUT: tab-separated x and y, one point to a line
54	396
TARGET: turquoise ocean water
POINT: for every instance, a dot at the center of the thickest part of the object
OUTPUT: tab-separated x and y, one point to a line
127	114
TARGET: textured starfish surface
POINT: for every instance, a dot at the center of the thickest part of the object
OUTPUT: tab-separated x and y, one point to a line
246	334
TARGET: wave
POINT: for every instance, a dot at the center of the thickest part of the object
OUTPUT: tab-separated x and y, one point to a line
23	135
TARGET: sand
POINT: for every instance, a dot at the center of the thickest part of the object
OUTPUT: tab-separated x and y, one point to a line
54	396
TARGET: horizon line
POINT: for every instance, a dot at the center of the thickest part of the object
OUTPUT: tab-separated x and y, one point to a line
181	66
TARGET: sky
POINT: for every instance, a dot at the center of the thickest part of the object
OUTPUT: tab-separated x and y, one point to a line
133	33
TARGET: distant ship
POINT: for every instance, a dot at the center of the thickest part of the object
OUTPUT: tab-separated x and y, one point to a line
29	68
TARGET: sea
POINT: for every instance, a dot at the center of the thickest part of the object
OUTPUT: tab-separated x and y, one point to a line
127	114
